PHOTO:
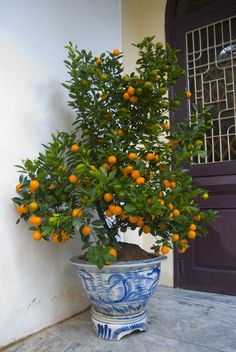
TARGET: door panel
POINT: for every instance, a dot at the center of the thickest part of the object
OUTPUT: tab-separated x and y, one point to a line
207	37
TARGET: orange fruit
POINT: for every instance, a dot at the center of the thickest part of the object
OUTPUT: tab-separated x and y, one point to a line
163	168
176	212
73	178
184	243
126	96
111	207
125	173
132	156
161	225
166	183
171	143
86	230
160	194
55	237
74	148
109	213
183	250
64	236
205	196
123	216
37	235
104	96
18	187
108	197
119	132
113	252
116	52
197	217
77	213
35	220
61	168
175	237
192	227
161	201
165	249
112	159
33	206
34	185
117	210
52	187
135	174
131	91
172	184
140	221
140	180
150	156
146	229
23	209
170	206
192	234
188	95
133	99
133	219
106	166
98	61
165	126
129	169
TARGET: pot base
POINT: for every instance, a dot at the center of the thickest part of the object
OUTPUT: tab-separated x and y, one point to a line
115	327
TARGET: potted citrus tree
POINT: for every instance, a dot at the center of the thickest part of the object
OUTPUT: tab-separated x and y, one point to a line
121	168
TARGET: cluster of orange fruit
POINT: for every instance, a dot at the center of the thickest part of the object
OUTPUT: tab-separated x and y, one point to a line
36	220
130	96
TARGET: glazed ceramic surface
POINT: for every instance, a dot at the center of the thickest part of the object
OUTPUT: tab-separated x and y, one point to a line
119	294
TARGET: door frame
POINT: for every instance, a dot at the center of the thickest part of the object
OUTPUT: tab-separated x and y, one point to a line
211	13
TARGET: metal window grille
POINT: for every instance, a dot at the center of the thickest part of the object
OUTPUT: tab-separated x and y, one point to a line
211	61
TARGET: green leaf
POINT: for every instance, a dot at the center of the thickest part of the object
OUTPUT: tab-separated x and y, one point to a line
130	208
97	222
76	222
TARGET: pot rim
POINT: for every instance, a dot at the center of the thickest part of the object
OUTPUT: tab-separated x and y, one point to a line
134	263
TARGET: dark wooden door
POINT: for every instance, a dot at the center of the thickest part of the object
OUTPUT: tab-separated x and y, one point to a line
205	31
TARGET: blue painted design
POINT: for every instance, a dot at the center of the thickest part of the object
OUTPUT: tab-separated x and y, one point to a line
109	290
104	332
128	329
119	294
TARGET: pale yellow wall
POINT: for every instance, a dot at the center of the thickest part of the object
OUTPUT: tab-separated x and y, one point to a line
139	19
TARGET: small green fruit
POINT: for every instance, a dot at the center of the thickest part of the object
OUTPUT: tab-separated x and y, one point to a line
198	143
104	77
205	196
162	91
159	45
148	85
117	187
139	92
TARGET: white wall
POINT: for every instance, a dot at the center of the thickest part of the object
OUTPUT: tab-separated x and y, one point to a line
38	286
139	19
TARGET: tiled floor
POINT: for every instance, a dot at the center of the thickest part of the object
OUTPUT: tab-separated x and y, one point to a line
179	321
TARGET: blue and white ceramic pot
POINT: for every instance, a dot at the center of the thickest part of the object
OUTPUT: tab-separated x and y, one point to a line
119	293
